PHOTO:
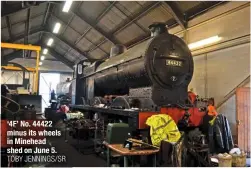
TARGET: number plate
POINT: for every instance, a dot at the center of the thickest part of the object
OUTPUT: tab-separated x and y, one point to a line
173	63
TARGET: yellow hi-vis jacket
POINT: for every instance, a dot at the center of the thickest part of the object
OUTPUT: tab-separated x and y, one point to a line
162	127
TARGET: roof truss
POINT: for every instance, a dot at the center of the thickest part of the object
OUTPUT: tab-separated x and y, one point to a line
8	9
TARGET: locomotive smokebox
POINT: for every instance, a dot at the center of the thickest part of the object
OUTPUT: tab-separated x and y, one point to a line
157	28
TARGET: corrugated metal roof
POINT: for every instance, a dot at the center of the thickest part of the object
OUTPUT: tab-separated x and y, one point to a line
4	34
130	33
38	10
158	14
111	20
84	44
70	35
60	50
65	17
18	28
20	16
79	25
36	22
90	26
7	51
106	46
94	36
129	7
184	6
92	9
3	22
97	54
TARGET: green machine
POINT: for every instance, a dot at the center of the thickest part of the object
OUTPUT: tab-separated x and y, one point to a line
117	133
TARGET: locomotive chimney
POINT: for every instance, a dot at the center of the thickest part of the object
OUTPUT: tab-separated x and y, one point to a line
157	28
117	49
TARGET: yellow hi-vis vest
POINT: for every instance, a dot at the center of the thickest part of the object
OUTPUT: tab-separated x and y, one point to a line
162	127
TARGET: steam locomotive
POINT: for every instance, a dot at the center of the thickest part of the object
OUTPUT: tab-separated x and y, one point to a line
151	77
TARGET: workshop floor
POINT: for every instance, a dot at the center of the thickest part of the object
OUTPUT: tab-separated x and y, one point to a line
73	156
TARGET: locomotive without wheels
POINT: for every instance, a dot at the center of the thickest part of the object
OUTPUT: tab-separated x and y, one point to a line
151	77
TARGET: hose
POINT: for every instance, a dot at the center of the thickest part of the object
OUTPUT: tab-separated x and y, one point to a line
5	107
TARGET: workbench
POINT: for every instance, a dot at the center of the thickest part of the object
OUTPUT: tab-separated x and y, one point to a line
125	152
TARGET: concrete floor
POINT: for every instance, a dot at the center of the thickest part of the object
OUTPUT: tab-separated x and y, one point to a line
74	157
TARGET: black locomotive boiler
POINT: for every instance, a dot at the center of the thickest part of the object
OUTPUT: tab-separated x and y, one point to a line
157	70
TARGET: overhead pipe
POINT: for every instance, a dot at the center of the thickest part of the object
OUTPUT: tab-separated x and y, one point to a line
26	39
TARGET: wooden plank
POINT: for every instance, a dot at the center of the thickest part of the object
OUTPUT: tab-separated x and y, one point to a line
243	118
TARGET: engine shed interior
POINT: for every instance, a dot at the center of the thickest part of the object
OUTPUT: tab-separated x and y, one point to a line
125	83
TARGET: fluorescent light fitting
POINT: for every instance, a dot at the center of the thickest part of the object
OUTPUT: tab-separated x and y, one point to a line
50	41
204	42
45	51
40	63
67	6
42	57
56	27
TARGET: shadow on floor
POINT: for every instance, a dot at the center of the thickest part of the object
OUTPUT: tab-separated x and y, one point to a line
74	158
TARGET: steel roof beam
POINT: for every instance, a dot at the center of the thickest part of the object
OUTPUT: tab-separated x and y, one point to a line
173	9
171	24
137	16
32	31
9	27
58	56
65	42
11	56
69	21
131	20
44	30
141	27
201	9
27	27
48	11
83	35
20	22
61	36
97	20
11	9
19	54
92	24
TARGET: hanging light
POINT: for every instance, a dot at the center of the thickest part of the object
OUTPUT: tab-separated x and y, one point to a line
40	63
67	6
42	57
50	41
45	51
56	27
204	42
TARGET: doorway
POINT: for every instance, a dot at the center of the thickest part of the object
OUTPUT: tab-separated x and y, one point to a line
47	83
243	118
